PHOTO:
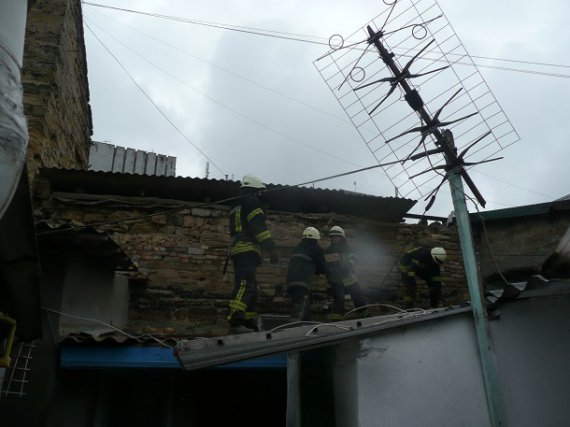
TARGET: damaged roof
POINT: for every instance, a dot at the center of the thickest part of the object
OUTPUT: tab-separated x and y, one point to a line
200	353
288	199
86	239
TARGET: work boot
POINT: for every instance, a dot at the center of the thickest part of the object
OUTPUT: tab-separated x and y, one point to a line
251	325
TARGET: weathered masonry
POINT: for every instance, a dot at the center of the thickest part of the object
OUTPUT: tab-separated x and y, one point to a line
182	290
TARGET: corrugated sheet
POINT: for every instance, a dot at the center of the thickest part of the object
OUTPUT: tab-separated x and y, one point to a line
291	199
522	211
107	348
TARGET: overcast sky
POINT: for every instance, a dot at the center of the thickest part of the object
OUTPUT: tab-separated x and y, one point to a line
255	104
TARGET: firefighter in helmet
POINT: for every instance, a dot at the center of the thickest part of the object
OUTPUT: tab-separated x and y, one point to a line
424	263
341	262
249	235
306	260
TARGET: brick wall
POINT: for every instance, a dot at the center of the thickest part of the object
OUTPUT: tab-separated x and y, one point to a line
519	246
56	91
182	257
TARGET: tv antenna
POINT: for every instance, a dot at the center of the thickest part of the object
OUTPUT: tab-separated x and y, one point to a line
438	80
450	101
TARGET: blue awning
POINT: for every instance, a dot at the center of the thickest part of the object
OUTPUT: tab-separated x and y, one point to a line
149	357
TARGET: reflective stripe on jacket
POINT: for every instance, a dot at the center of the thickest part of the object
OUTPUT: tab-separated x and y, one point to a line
419	262
248	230
341	262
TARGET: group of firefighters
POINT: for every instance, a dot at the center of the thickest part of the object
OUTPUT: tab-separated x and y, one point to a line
250	235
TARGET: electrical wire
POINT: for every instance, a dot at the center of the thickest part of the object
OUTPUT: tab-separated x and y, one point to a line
232	73
100	322
240	29
147	96
222	201
290	324
303	38
330	325
513	185
306	145
364	307
256	122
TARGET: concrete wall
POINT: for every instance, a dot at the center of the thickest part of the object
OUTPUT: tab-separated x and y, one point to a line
425	374
92	292
56	91
182	256
429	373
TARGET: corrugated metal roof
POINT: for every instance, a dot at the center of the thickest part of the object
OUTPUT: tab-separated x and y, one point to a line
522	211
291	199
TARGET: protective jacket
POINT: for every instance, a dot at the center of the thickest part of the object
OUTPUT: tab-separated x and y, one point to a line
306	260
248	230
341	262
418	262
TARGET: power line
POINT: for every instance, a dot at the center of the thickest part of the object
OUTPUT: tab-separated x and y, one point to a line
233	73
303	38
218	202
513	185
496	67
263	31
239	29
256	122
152	101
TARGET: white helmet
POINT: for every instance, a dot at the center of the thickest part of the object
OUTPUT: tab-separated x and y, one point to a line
439	255
311	233
252	181
336	231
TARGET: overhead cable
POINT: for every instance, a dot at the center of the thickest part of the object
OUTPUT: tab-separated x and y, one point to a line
218	202
303	38
152	101
223	105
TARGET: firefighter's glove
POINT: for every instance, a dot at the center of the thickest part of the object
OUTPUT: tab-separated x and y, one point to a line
273	257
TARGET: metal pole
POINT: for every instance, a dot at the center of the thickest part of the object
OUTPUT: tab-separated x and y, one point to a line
486	350
293	417
487	356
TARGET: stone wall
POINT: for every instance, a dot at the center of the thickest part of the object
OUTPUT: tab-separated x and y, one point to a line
182	254
56	91
518	246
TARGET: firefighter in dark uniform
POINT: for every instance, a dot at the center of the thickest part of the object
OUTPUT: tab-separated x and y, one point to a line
423	263
341	262
306	260
249	235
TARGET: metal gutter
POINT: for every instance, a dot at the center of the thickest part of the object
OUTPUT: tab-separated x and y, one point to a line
201	353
